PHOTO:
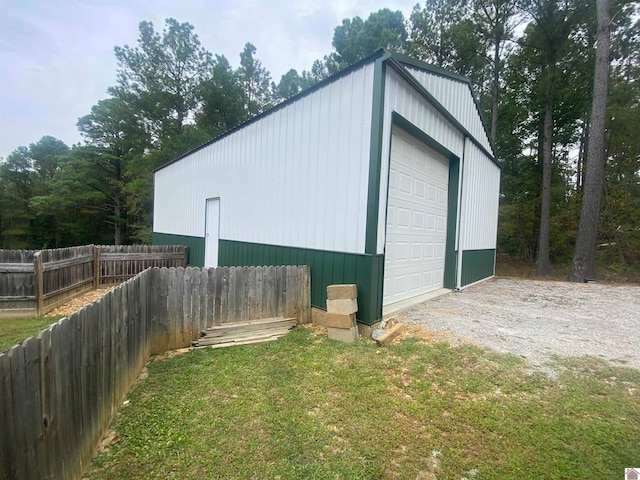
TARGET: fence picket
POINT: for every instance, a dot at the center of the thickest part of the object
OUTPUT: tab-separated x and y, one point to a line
8	440
32	425
46	397
217	275
194	324
23	467
204	297
224	294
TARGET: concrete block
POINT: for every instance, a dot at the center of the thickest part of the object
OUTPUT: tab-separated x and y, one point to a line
340	320
346	291
348	335
342	305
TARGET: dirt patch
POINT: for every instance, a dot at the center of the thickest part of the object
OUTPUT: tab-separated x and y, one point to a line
537	320
79	302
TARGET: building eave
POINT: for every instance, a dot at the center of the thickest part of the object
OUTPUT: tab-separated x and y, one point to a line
370	59
417	64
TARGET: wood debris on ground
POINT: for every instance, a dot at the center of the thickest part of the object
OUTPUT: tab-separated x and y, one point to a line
245	333
391	333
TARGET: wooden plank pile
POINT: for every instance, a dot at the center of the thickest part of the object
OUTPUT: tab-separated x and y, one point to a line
245	333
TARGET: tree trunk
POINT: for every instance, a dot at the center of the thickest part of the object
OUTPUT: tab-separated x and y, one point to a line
582	154
583	265
117	203
545	201
495	89
117	224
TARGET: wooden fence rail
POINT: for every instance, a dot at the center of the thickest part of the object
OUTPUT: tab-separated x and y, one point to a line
60	390
32	283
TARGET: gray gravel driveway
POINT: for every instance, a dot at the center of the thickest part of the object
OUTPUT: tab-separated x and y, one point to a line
537	319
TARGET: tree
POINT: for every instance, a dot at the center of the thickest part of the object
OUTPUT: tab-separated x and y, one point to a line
27	173
521	137
255	81
584	257
432	31
494	19
549	36
161	77
290	84
80	211
354	39
223	99
117	138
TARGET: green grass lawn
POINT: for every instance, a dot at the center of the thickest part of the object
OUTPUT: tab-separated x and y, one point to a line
15	330
307	407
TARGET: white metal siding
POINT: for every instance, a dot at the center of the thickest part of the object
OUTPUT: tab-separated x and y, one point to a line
457	98
297	177
480	197
416	219
402	98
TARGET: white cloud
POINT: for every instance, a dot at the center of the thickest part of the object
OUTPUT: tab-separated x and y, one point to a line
57	60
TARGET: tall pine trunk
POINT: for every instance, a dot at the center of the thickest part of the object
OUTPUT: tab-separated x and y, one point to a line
583	265
495	89
117	224
545	202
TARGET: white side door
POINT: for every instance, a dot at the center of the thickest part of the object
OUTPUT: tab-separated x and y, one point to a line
212	232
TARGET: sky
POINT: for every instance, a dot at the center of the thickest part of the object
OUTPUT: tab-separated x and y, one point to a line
57	59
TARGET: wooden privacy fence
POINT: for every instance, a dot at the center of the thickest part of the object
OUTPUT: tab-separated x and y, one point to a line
33	283
60	390
17	282
122	262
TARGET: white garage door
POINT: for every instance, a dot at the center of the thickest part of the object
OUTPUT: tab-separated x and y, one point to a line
416	219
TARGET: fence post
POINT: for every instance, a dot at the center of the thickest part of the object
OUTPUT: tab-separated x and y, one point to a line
38	283
96	267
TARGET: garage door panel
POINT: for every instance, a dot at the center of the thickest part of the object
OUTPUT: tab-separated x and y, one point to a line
416	220
405	215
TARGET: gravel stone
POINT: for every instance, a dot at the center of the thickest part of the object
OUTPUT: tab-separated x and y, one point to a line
539	319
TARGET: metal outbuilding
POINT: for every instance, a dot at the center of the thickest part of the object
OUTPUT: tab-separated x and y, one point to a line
382	175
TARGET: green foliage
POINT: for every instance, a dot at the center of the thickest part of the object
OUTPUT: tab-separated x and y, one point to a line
290	84
161	77
255	81
223	99
25	174
357	38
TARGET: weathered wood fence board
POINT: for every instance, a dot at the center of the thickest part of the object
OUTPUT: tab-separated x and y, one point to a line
33	283
65	273
119	263
60	390
16	281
